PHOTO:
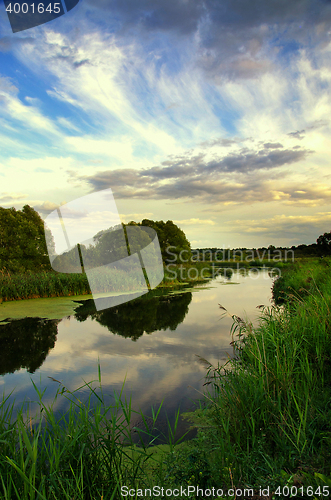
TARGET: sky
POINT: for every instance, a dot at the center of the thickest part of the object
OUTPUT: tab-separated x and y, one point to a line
212	113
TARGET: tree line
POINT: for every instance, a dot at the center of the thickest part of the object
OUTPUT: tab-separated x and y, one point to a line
23	245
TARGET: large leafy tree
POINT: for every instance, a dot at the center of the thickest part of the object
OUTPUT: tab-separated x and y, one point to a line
22	240
324	244
175	247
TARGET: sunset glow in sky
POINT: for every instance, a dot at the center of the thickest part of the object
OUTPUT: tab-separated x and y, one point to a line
214	114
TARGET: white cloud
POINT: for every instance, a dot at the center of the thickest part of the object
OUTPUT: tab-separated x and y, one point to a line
136	217
196	222
280	224
122	150
40	178
64	122
11	198
29	116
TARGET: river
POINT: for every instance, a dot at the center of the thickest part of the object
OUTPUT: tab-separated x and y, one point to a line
153	343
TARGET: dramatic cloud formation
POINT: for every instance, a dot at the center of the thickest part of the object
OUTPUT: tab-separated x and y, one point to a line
293	228
195	110
219	180
235	39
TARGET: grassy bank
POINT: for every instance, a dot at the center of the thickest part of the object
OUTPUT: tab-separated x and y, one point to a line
51	284
85	453
45	284
304	278
267	418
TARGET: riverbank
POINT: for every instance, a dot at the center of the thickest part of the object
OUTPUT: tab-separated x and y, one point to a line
52	284
266	420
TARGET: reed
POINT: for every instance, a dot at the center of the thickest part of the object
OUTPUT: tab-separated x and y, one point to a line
51	284
45	284
266	416
27	286
85	453
308	276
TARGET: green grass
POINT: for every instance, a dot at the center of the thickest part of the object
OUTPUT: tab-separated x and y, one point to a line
86	453
52	284
45	284
303	278
266	420
277	264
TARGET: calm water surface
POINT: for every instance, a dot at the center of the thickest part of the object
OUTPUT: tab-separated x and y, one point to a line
151	343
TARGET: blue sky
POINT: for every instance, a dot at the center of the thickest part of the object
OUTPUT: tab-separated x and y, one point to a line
214	114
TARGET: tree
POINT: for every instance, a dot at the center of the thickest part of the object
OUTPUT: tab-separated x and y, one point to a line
22	240
175	247
324	244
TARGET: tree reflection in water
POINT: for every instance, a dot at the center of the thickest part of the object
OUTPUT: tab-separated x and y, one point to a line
25	343
143	315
